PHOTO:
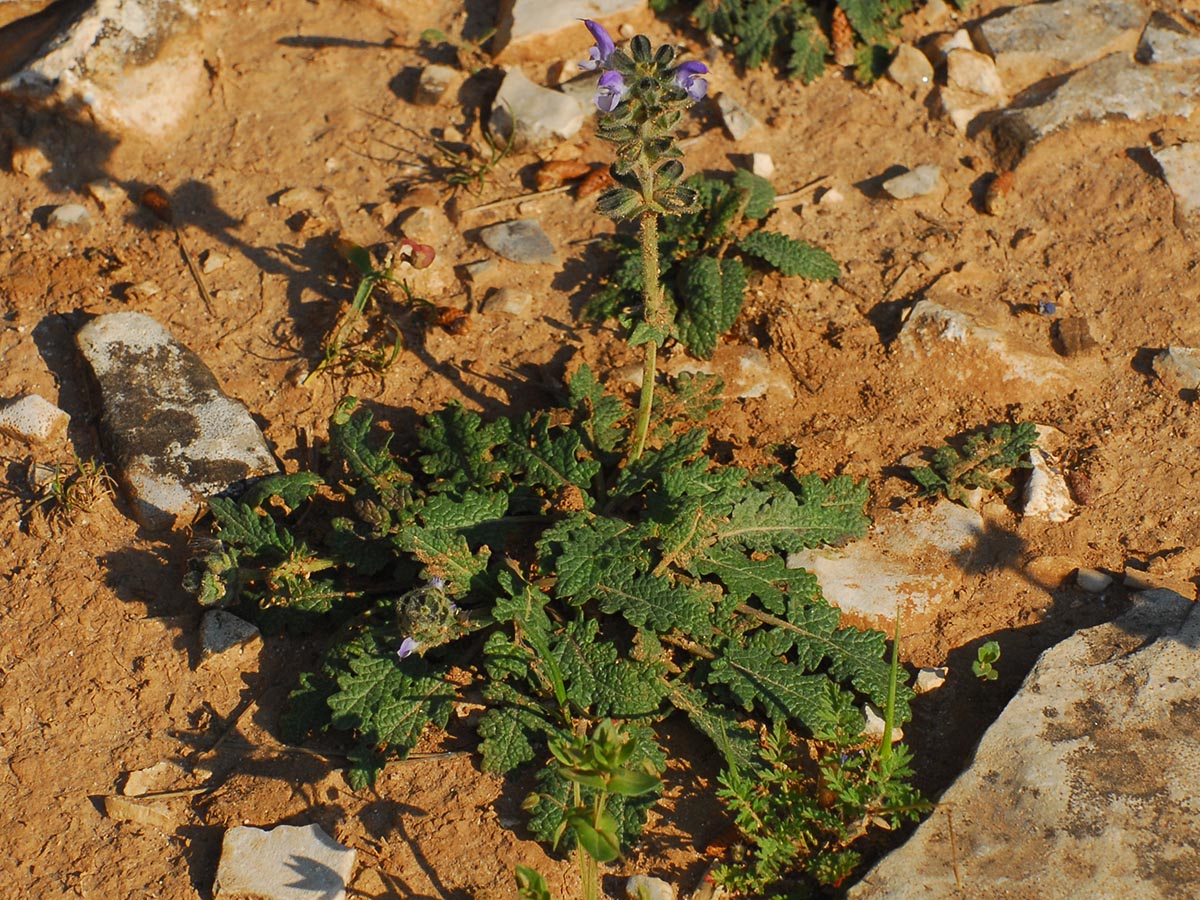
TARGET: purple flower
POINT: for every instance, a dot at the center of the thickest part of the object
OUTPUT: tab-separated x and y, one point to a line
436	582
407	648
610	90
598	55
687	76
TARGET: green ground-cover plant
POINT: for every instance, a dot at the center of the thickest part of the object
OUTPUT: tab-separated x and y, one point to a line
800	34
987	455
588	569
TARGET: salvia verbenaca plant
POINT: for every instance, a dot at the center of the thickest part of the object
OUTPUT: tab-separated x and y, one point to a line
587	571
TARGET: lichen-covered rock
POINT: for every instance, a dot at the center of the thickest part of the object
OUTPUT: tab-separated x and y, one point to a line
174	435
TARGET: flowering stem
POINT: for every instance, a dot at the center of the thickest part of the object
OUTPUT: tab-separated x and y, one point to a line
653	313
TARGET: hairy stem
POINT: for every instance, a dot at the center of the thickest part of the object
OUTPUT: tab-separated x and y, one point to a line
653	315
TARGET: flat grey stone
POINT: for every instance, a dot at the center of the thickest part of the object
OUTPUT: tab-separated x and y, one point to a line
1114	86
1178	368
124	61
174	436
521	240
738	121
32	419
1181	169
509	301
533	116
1038	40
1085	786
1168	41
221	631
915	183
541	22
910	563
287	862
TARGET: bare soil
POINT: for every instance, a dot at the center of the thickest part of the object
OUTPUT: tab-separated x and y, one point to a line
100	674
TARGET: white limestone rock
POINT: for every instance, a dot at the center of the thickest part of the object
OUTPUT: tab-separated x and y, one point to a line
1037	40
532	116
132	64
917	182
1180	166
32	419
287	862
1072	790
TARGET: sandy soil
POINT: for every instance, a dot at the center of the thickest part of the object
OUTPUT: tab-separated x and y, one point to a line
99	670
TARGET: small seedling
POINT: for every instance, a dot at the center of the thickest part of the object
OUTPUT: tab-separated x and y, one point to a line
985	660
985	455
340	348
470	168
64	492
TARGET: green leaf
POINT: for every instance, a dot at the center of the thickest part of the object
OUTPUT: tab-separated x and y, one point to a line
460	449
768	580
598	681
712	295
601	412
531	885
599	841
790	256
737	742
455	510
656	603
760	193
553	459
807	51
509	728
292	489
866	16
780	689
588	550
251	531
818	513
388	703
445	554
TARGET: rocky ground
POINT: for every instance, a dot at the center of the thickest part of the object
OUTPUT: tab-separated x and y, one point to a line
1060	294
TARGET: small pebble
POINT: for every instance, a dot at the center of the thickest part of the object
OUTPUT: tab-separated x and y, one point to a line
70	215
915	183
626	30
644	887
433	84
873	726
510	301
32	419
29	161
996	198
212	261
106	194
762	165
1073	334
831	197
911	69
1093	580
738	122
521	240
930	679
473	271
